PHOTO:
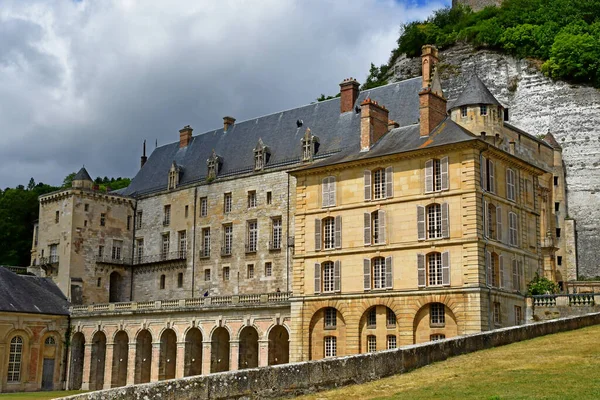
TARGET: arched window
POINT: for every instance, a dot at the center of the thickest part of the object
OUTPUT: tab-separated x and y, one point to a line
14	359
50	341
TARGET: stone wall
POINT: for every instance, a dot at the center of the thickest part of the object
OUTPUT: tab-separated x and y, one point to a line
309	377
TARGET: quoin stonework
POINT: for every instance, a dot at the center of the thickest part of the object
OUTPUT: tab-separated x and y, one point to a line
382	218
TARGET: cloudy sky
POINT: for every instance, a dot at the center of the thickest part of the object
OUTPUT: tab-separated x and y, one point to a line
85	82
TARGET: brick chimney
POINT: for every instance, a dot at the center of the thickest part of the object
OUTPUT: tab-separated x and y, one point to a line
185	136
227	123
143	158
432	103
373	123
348	94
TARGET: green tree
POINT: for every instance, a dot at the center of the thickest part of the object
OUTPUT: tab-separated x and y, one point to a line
68	181
541	285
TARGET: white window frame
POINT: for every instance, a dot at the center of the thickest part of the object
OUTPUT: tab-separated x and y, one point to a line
227	239
252	227
378	267
330	318
276	233
330	343
328	191
15	359
510	185
391	342
434	269
206	242
204	206
329	233
328	271
165	245
437	314
371	343
227	200
513	229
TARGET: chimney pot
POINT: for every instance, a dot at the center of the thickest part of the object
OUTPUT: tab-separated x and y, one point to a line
185	136
348	94
227	123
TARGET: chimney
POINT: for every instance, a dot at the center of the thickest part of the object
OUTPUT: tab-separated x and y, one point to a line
144	158
373	123
392	125
228	122
432	103
185	136
348	94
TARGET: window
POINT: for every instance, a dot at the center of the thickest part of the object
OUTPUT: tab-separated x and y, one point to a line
371	343
492	221
276	234
227	203
556	206
372	318
174	172
85	222
167	215
556	181
269	198
129	222
310	144
483	109
374	228
207	275
225	273
86	207
139	250
100	251
252	237
180	280
102	219
163	280
390	320
205	242
329	233
203	207
512	229
53	253
57	217
14	359
250	271
497	318
138	220
463	111
36	235
488	180
559	260
116	249
166	243
185	213
182	244
495	270
433	269
379	184
252	199
99	282
378	273
437	336
268	269
510	185
436	175
328	277
518	315
330	346
558	233
328	192
437	315
391	342
517	272
330	318
433	221
434	261
227	239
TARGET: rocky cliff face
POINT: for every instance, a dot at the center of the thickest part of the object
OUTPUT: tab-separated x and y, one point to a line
537	104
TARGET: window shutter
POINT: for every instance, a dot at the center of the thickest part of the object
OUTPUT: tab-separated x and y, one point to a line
367	229
445	221
338	232
492	187
325	192
367	185
488	267
508	185
389	277
444	173
317	234
389	182
421	222
484	174
367	274
499	223
501	271
337	276
332	196
520	273
429	176
421	270
317	278
446	268
515	274
381	233
486	219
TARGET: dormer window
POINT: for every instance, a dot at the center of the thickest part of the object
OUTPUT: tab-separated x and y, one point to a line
483	110
174	173
310	145
261	155
214	165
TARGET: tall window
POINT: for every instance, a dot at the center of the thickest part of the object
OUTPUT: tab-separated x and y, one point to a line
174	176
163	280
434	264
116	249
268	269
374	227
517	273
14	359
491	223
252	235
207	275
328	191
372	318
510	185
276	233
436	175
203	207
167	215
495	269
310	143
53	253
330	346
437	314
129	222
390	319
252	199
488	180
227	239
328	277
518	315
379	184
434	221
378	273
138	220
391	342
225	273
56	217
102	219
259	160
463	111
100	251
330	318
513	233
139	250
187	210
182	244
166	243
180	280
250	271
497	315
206	242
371	343
329	233
227	203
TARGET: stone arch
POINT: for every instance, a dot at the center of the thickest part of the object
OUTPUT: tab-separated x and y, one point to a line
279	345
449	301
319	329
76	361
168	354
382	330
98	360
426	329
241	328
224	326
219	355
193	352
120	359
143	356
248	347
342	307
170	327
114	291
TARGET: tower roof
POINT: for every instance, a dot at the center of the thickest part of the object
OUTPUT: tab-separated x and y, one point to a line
549	138
475	92
82	175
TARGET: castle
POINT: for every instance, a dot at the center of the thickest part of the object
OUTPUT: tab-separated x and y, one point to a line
378	219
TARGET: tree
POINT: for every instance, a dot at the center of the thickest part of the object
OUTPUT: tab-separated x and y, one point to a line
541	285
68	181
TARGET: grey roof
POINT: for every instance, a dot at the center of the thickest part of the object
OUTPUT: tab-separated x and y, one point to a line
551	140
279	131
400	140
30	294
82	175
475	92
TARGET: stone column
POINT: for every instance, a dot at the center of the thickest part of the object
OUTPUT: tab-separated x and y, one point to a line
206	354
180	366
234	355
87	359
108	362
131	354
155	362
263	352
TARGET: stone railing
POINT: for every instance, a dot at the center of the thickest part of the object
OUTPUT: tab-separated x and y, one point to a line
557	300
552	306
209	301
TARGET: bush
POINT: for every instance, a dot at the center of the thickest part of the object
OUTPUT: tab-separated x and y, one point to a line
541	285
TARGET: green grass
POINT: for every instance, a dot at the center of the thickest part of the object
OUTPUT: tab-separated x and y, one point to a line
560	366
37	395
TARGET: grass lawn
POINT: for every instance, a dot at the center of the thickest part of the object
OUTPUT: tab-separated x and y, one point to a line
37	395
560	366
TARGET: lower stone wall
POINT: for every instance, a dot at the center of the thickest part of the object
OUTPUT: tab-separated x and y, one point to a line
312	376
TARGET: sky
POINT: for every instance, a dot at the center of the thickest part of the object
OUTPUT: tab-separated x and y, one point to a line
86	82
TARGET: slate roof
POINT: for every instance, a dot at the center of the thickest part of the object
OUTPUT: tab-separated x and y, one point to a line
82	175
400	140
30	294
280	132
475	92
549	138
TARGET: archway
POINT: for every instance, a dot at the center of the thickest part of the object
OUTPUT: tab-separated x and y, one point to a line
98	361
327	334
248	354
119	361
193	353
50	353
168	355
279	346
434	321
114	294
378	329
143	357
77	354
219	355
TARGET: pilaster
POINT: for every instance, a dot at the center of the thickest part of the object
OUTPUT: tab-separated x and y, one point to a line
108	362
87	358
